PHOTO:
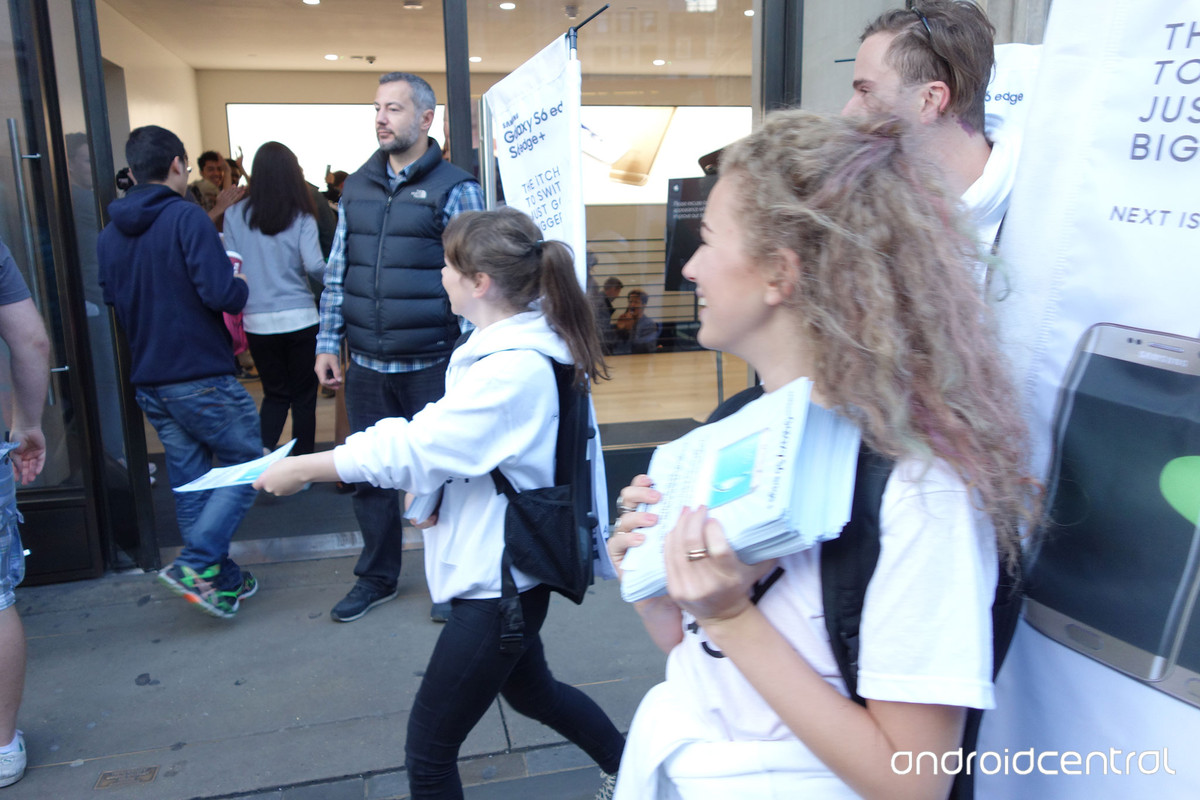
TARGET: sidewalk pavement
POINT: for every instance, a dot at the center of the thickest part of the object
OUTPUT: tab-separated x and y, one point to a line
133	693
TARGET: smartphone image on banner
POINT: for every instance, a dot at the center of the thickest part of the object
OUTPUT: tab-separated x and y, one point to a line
1184	680
1118	569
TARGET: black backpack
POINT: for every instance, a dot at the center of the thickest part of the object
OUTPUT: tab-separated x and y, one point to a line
847	564
548	532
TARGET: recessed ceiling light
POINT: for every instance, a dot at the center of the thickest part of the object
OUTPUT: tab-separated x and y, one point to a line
331	57
312	2
508	6
658	62
413	5
749	12
474	59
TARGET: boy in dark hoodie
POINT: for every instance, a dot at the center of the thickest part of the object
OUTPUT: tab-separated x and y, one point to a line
165	272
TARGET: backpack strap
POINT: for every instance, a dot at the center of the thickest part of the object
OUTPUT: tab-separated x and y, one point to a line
848	562
734	403
1006	613
512	621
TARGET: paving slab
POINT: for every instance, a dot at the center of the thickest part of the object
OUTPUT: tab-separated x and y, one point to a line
132	693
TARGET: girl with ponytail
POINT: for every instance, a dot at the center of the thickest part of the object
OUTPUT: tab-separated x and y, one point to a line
500	410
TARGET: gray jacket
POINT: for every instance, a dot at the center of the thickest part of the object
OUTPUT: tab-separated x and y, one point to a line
276	266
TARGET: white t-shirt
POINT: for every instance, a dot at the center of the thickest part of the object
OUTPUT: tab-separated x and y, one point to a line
926	634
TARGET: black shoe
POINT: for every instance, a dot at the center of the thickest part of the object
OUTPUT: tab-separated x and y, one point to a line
359	601
440	612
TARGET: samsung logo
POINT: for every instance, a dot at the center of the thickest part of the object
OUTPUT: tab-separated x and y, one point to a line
1161	359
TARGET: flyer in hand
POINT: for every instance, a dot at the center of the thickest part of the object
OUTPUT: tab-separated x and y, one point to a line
238	474
778	475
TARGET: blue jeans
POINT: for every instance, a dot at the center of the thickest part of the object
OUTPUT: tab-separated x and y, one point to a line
197	420
467	671
370	397
12	553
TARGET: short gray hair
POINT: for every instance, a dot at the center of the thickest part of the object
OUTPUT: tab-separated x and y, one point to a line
422	92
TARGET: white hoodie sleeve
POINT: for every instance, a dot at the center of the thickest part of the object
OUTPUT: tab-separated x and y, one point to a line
500	413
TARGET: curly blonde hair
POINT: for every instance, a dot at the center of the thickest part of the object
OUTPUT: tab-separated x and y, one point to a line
902	339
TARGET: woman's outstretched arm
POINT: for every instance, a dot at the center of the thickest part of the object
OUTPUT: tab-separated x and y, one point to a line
288	475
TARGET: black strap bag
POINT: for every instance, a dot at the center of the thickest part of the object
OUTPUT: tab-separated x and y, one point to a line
548	531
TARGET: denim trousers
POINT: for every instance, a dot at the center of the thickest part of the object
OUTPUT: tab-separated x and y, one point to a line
285	367
12	552
370	397
197	420
465	674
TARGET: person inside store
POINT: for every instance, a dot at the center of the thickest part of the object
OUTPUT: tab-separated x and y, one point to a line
635	331
275	231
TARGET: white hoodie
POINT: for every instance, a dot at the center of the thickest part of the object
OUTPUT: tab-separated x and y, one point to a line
501	410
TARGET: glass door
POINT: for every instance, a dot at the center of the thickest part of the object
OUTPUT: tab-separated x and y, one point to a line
116	441
61	523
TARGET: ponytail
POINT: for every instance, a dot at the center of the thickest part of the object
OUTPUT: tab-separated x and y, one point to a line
508	246
569	311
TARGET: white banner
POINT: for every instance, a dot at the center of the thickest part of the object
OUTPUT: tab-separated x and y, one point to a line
535	114
1104	226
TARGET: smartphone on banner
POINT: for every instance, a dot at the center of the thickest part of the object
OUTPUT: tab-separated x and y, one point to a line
1184	680
1118	569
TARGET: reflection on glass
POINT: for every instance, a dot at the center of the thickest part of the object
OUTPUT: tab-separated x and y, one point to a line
100	338
644	126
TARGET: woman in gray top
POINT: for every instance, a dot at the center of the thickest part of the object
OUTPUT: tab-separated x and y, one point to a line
275	231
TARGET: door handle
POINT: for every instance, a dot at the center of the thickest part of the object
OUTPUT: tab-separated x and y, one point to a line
14	143
23	207
50	388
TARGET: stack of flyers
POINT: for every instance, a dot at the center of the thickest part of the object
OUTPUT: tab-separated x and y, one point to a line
778	475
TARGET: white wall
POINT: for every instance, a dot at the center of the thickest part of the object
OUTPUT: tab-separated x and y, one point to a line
831	32
216	88
159	87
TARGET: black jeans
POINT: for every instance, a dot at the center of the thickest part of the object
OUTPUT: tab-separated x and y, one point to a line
370	397
467	671
285	366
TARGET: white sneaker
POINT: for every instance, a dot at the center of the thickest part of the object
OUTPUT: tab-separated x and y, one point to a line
608	785
12	764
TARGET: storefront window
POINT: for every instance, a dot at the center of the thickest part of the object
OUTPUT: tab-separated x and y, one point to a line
661	88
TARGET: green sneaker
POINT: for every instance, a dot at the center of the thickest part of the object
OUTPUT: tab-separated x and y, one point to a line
200	589
249	586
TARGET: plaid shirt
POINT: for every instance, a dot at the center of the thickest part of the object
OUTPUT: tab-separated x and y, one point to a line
466	196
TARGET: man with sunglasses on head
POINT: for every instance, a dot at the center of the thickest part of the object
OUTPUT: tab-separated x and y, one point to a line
930	65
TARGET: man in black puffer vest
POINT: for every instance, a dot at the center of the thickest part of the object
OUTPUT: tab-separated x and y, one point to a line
383	294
